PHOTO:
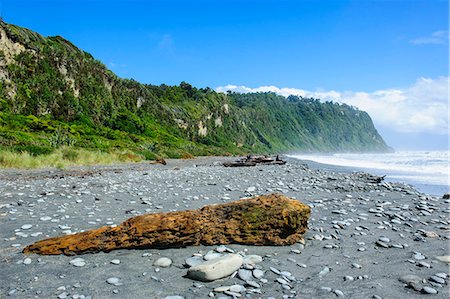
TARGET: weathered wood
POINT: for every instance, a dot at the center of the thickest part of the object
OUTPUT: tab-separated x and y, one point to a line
264	220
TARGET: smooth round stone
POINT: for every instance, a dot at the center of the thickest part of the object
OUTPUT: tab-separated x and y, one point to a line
444	258
26	226
45	218
237	288
339	293
115	262
244	274
114	281
252	259
419	256
348	278
221	289
252	283
326	289
174	297
193	261
382	244
163	262
216	268
384	239
437	279
257	273
410	278
212	255
424	264
429	290
221	249
27	261
275	270
251	189
78	262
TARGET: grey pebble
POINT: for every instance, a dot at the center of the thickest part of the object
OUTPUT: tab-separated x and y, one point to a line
437	279
429	290
257	273
114	281
339	293
244	274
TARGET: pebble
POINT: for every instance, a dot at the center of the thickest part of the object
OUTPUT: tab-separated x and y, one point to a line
174	297
27	261
237	288
217	268
324	271
114	281
423	264
410	278
429	290
381	244
115	262
221	289
444	258
162	262
384	239
26	226
339	293
257	273
244	274
212	255
252	283
78	262
193	261
437	279
252	259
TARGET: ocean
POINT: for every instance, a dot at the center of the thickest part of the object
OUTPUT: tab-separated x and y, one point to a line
427	171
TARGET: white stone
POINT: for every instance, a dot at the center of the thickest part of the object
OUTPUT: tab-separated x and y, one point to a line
115	262
163	262
258	273
212	255
251	189
26	226
252	259
216	268
27	261
114	281
78	262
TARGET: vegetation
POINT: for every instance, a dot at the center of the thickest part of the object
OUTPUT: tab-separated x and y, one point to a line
54	96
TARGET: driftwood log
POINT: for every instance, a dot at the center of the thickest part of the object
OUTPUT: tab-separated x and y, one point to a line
264	220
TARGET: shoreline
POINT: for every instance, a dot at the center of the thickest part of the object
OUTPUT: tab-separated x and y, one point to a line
341	253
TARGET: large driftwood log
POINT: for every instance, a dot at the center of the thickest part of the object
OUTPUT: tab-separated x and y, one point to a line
264	220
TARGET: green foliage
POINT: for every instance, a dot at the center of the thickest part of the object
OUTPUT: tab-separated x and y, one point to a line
60	96
61	137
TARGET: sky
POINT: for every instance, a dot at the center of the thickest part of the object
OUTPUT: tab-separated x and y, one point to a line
386	57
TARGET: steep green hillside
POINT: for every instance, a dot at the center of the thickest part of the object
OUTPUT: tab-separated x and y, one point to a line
54	94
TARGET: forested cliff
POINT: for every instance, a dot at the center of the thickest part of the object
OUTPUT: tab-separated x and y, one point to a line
53	94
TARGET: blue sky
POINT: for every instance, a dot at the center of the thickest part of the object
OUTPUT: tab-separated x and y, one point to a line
359	52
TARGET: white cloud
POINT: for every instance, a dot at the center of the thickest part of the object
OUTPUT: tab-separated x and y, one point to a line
419	108
436	38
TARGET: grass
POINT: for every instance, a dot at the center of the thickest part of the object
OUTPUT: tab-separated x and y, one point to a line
64	157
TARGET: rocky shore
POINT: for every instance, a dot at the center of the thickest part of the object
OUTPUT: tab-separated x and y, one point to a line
365	239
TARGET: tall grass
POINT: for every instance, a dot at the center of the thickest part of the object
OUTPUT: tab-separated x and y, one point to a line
63	157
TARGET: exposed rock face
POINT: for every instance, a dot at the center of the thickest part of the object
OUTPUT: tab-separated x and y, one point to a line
264	220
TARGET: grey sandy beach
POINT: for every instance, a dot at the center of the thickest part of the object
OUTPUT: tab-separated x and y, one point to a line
365	239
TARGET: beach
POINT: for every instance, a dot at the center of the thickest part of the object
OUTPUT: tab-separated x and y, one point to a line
364	239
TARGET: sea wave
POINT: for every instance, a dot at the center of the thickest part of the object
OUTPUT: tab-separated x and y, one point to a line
424	167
